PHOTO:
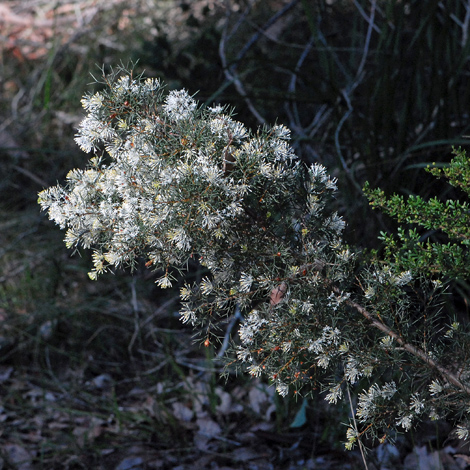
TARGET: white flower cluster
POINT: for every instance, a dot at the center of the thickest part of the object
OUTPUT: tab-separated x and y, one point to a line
334	394
353	370
174	180
250	326
385	275
367	403
435	387
329	337
462	432
179	105
352	436
334	301
415	408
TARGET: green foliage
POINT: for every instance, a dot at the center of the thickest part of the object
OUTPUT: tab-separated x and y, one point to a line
180	183
410	248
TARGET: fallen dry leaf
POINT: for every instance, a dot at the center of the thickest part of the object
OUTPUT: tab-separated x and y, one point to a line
278	293
18	456
181	412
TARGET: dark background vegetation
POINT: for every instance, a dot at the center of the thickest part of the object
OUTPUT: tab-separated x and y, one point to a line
103	374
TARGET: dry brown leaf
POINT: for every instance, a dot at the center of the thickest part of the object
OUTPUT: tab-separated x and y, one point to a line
464	457
243	454
88	430
226	405
278	293
181	412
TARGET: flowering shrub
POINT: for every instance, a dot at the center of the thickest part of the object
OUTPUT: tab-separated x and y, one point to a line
175	181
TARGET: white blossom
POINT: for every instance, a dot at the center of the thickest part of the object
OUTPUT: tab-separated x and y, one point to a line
369	292
164	282
335	393
434	415
255	370
352	370
250	326
402	279
243	354
218	109
345	255
179	105
367	400
315	346
323	361
112	257
185	292
462	432
387	342
246	280
335	301
435	387
454	327
281	132
180	238
351	435
238	131
405	422
206	286
335	223
188	315
92	103
98	261
282	389
416	403
286	346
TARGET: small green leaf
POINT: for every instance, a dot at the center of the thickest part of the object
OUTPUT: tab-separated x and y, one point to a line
301	415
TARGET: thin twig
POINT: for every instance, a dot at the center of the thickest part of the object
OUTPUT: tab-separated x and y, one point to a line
466	21
228	332
294	118
365	52
353	415
364	15
256	36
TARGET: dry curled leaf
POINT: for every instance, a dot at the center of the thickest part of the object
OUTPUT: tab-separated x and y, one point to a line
278	293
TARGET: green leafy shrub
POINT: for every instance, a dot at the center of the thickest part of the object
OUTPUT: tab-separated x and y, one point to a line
176	182
408	248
